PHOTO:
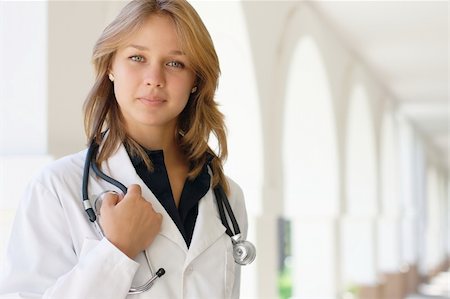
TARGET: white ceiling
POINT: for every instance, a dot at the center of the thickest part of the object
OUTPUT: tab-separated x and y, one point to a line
406	44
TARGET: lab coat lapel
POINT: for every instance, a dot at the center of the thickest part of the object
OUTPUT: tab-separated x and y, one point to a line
119	167
208	227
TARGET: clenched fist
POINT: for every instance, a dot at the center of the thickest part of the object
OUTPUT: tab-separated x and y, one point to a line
130	223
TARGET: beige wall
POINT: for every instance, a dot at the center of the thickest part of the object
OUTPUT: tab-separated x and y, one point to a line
73	28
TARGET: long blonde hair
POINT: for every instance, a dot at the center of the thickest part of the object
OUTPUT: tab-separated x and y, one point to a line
200	117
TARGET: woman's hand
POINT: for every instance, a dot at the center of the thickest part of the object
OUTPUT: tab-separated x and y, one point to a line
130	223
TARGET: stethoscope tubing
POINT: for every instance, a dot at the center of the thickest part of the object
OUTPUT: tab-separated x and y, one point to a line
223	206
221	201
91	154
84	189
109	179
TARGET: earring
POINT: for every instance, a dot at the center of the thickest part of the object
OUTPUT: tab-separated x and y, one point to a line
111	77
194	89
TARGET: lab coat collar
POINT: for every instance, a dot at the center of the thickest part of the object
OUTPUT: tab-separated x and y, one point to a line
208	227
119	167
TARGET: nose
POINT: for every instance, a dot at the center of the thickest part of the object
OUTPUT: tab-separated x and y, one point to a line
154	76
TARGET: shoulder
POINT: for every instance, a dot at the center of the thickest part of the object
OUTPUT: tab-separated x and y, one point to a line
63	167
64	171
237	202
236	193
55	185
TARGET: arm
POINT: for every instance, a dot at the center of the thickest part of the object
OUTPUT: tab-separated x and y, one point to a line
40	259
240	212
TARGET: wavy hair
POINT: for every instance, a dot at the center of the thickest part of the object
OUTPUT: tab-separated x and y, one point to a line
200	117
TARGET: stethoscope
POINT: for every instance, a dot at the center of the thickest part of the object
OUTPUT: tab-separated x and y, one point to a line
244	252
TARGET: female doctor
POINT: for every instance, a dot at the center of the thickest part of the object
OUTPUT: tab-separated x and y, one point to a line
147	118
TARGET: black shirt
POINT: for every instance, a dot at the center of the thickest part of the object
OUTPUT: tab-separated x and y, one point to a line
158	181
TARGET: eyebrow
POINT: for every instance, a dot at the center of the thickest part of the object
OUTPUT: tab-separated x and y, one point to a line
142	48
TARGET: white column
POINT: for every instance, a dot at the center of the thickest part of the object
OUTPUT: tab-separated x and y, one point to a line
389	222
411	182
266	260
443	223
419	186
359	235
267	240
389	246
359	223
433	234
436	221
313	237
447	223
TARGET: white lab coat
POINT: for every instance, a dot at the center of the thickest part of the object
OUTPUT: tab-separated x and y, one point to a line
55	252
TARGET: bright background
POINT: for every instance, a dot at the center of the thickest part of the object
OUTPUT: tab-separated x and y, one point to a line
342	189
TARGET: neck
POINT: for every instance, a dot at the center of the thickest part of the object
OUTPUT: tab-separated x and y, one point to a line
158	138
154	138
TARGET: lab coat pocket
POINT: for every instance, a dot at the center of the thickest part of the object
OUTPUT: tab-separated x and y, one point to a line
88	245
229	269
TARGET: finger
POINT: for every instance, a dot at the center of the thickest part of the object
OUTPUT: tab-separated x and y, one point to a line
120	196
134	189
110	199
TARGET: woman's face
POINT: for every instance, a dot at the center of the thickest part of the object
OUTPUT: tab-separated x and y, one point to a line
152	77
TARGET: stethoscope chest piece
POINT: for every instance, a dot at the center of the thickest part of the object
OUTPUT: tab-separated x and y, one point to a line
244	252
99	200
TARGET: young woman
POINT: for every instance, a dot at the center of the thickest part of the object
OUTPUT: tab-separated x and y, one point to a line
148	118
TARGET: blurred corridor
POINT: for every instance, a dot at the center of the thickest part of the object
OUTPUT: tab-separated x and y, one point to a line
338	119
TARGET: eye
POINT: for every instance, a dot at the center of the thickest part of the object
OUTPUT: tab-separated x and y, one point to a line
137	58
175	64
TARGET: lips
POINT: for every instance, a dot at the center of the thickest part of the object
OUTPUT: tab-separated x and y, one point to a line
152	100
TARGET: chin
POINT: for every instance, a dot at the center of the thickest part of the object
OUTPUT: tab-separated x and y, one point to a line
155	123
